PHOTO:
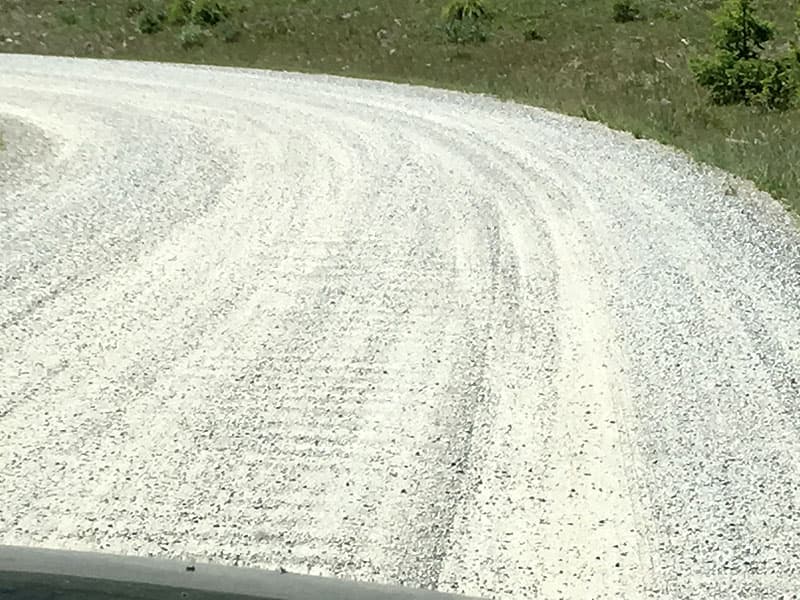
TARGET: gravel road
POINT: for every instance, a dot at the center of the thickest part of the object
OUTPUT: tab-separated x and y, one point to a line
389	333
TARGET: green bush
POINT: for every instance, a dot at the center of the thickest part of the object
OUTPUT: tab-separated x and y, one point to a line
797	21
730	80
625	12
179	11
736	73
738	30
796	42
466	10
192	35
780	85
151	20
465	21
199	12
465	31
209	12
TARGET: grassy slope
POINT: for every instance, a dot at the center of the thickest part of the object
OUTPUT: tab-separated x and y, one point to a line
632	76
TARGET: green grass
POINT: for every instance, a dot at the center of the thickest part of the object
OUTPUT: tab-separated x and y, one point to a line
632	75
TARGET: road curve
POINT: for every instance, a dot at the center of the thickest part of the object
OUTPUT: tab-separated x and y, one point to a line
389	333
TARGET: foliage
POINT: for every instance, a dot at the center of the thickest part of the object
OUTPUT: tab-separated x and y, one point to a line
200	12
466	10
465	21
151	19
740	31
737	73
192	35
463	31
730	80
625	12
780	85
179	11
209	12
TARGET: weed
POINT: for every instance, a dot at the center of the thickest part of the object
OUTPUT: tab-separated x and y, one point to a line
151	19
466	10
179	11
463	31
465	21
192	35
589	112
210	12
701	115
625	12
200	12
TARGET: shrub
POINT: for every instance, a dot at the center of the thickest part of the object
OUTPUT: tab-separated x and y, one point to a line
466	10
625	12
797	21
740	31
796	42
151	20
209	12
465	31
192	35
736	73
730	80
780	86
199	12
465	21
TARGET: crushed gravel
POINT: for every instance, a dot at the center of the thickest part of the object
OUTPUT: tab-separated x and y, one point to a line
389	333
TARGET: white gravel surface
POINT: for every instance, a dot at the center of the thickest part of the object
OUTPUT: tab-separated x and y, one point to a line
389	333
